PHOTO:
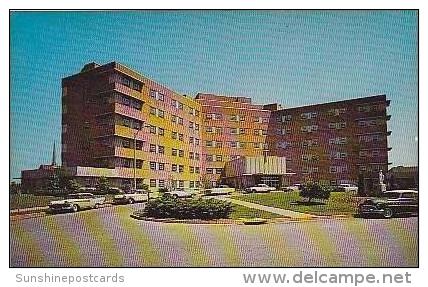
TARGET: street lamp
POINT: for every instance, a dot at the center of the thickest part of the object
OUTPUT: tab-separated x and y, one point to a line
135	159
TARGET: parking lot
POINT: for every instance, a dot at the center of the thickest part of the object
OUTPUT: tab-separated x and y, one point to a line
109	237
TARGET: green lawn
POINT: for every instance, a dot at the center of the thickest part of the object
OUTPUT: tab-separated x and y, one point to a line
30	200
338	203
246	212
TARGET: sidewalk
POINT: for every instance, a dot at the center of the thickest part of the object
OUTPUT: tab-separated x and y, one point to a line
283	212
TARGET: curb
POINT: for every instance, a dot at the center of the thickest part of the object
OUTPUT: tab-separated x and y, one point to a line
28	210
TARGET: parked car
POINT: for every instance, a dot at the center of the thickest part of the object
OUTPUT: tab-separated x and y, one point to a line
294	187
75	202
394	202
347	187
133	196
219	190
179	193
260	188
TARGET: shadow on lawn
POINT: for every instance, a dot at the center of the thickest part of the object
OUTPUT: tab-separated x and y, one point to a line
306	203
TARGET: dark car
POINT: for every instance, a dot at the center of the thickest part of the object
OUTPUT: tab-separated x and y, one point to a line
392	203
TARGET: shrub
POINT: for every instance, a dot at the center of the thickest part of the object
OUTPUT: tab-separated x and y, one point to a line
315	190
103	186
169	207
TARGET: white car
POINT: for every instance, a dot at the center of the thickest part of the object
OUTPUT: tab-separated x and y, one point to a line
133	196
260	188
347	187
75	202
219	190
179	193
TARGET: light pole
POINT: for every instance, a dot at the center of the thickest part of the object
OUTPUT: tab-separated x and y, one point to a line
135	159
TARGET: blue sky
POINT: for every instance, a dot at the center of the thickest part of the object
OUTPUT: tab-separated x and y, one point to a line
291	57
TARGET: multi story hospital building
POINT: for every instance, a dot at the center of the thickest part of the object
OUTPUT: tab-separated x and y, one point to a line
110	112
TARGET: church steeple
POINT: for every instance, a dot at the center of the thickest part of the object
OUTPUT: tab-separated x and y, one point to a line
54	155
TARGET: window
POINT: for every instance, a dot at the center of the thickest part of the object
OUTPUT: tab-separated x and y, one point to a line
191	155
192	169
181	168
174	152
139	145
308	116
174	119
197	156
336	112
153	183
218	170
191	184
126	143
161	114
152	148
338	169
191	140
197	169
209	171
180	137
190	125
153	111
309	129
181	183
161	131
197	127
337	126
209	157
161	97
181	153
161	183
153	165
152	129
174	135
338	141
161	166
284	118
161	149
174	167
139	164
209	143
180	121
153	94
219	157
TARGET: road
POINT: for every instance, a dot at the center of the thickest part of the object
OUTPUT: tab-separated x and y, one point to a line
109	237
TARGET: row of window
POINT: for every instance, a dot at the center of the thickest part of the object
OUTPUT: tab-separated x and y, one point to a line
342	169
311	143
235	118
210	170
175	183
174	103
125	100
333	112
126	81
234	131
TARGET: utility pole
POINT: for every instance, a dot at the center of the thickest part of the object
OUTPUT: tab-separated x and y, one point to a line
135	159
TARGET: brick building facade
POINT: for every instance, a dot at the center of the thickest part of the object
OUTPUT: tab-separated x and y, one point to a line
184	142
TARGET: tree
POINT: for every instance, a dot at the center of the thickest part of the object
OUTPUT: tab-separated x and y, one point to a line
54	186
103	186
73	186
15	187
315	190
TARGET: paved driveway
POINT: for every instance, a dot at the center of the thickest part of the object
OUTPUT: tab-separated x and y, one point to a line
109	237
